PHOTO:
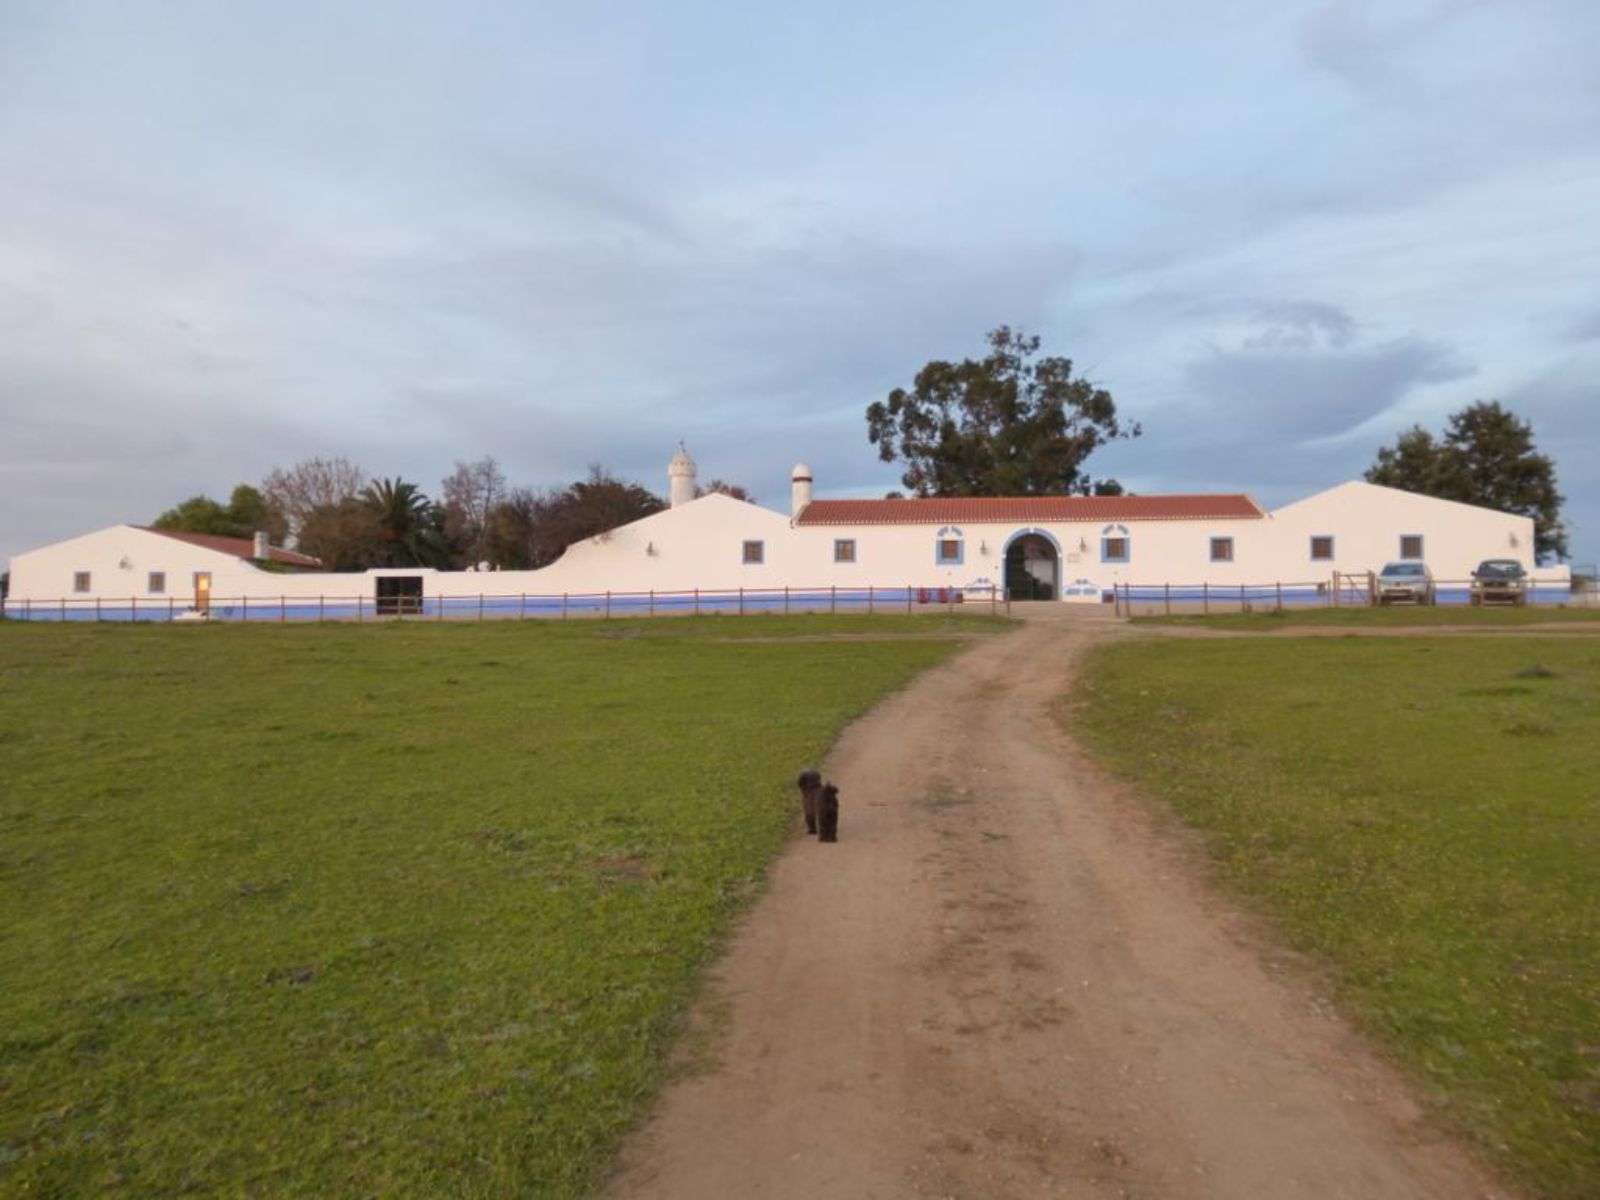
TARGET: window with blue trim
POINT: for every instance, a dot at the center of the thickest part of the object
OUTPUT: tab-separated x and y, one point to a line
948	549
1115	544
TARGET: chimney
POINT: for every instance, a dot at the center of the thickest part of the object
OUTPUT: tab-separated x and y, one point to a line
799	488
261	547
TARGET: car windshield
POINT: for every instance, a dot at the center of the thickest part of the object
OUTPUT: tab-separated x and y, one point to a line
1501	569
1405	570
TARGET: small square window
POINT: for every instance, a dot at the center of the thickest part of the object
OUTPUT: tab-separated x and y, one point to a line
1114	549
755	552
1322	548
950	550
1410	545
157	585
844	550
1222	549
80	581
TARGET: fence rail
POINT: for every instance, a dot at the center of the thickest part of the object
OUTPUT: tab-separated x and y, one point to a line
1338	591
507	605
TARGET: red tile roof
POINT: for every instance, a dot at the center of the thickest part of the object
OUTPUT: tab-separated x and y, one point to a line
238	547
1005	510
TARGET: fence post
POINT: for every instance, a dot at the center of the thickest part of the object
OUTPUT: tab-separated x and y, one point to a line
869	597
697	602
244	609
1241	598
786	599
652	602
283	609
480	606
27	609
1205	599
1168	593
1279	586
63	608
991	600
563	606
133	605
358	608
172	607
608	604
741	600
321	606
908	599
522	607
833	598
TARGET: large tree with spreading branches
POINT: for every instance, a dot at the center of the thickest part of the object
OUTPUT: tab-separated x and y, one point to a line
1010	424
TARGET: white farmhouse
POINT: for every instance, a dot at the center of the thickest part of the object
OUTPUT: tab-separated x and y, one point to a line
712	551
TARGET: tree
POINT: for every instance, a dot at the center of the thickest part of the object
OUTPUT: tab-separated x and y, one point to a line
409	526
346	536
1485	457
246	513
470	494
723	487
1008	425
543	526
312	485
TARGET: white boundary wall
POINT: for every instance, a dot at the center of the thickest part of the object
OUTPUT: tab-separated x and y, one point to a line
700	544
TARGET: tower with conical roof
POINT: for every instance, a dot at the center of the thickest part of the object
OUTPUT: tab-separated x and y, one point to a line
680	477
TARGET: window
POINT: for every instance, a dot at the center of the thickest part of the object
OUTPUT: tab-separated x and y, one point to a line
80	581
1222	549
844	550
1115	544
755	552
157	585
949	550
1410	545
1322	548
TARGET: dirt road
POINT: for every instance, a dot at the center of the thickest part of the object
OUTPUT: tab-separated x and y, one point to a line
1005	982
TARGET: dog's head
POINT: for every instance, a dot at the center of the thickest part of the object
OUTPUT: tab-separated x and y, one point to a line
830	794
809	781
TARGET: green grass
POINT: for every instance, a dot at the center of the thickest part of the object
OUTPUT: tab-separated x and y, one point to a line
408	910
1424	815
1493	615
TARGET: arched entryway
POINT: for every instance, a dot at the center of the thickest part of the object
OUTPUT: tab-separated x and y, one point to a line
1033	566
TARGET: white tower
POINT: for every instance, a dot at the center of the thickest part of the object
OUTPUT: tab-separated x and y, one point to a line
680	477
799	488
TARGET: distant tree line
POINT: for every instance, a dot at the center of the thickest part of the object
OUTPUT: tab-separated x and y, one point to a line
331	508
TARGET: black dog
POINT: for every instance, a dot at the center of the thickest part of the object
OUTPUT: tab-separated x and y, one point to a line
810	784
828	814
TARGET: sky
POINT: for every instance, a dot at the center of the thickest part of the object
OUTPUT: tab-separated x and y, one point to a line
236	236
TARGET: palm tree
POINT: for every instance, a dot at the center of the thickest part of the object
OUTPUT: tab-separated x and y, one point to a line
407	524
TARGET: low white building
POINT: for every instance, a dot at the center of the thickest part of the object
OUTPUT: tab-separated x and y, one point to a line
713	552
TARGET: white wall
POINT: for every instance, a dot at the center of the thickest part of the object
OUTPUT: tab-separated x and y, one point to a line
699	545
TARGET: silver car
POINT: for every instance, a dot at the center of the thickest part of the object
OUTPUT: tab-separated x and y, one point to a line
1406	581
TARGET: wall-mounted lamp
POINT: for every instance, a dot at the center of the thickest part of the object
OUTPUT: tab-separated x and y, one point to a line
1082	545
983	547
650	549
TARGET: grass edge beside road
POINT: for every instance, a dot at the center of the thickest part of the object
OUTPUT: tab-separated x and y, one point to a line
1372	798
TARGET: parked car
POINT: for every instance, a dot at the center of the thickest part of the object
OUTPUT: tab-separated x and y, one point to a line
1500	581
1407	581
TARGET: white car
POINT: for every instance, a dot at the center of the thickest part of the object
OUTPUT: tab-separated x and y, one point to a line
1406	581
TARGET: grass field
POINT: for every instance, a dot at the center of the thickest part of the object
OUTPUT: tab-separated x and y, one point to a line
382	911
1424	815
1356	618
